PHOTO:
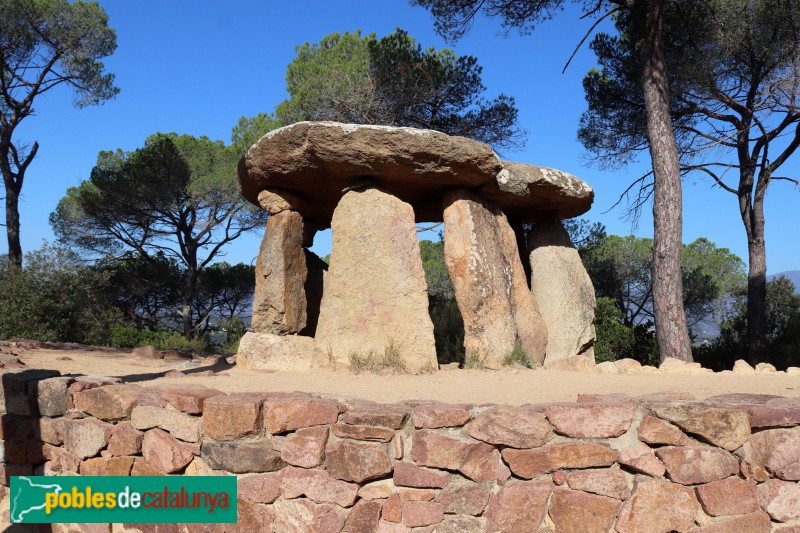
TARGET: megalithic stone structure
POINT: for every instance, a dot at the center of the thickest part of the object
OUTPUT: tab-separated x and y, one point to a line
370	184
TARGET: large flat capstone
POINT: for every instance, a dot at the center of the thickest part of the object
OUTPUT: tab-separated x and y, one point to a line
312	162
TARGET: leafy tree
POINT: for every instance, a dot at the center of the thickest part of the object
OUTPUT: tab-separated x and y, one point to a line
782	339
453	20
174	198
144	290
621	270
615	339
224	292
436	274
44	44
249	130
391	81
734	77
583	233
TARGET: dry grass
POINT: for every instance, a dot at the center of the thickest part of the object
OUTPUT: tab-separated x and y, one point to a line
474	359
387	362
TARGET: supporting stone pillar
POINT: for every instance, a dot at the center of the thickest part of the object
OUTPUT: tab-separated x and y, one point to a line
481	254
375	295
565	296
279	303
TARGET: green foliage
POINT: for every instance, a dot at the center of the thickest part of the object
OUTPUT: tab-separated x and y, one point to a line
518	357
782	335
45	44
224	290
53	298
725	57
234	329
330	80
393	81
448	325
621	269
618	340
249	130
146	291
440	286
615	339
176	341
175	199
130	337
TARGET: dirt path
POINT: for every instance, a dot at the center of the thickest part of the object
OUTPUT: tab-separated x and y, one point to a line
468	386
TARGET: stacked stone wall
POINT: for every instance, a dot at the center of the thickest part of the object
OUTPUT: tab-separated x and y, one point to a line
307	463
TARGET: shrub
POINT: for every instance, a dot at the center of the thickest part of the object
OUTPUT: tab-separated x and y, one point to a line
618	340
52	298
130	337
176	341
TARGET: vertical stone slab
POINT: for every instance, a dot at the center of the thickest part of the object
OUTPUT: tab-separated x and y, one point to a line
481	254
375	289
279	303
564	293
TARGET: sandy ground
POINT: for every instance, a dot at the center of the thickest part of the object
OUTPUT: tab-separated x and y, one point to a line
451	385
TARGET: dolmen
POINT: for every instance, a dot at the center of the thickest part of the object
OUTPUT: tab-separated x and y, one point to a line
516	289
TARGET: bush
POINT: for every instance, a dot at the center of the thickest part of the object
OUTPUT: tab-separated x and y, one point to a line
176	341
53	298
618	340
130	337
234	329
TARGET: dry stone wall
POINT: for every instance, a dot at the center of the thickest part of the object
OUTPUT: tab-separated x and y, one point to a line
655	463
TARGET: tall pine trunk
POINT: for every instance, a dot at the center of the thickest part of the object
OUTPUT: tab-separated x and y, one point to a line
13	185
190	288
753	219
189	291
672	332
12	224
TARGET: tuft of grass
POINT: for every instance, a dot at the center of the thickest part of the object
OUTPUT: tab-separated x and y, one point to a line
387	362
331	358
517	356
474	359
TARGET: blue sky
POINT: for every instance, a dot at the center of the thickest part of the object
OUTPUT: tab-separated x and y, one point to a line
196	67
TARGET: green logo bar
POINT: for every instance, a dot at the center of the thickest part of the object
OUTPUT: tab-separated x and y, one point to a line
135	499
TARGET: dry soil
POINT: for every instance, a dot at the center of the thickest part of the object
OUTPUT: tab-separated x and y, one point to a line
511	386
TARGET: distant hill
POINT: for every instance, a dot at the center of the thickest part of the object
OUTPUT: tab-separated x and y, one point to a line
793	275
